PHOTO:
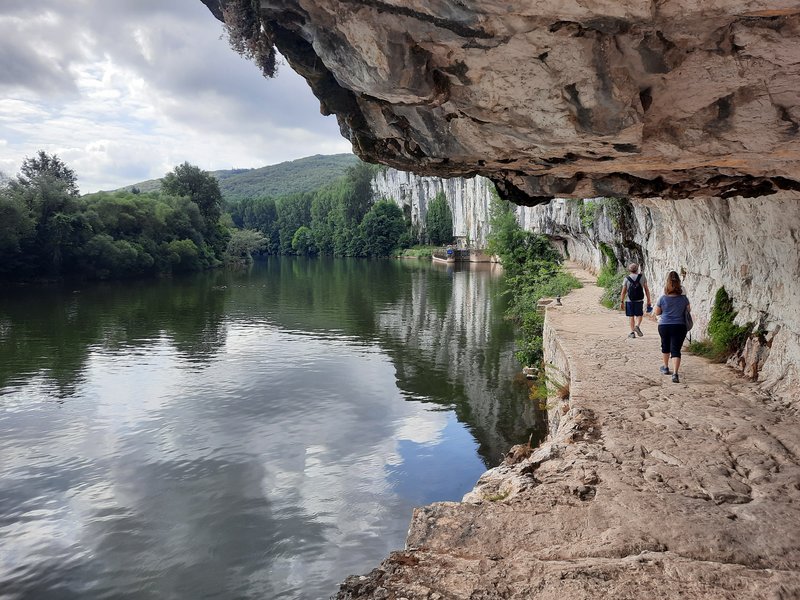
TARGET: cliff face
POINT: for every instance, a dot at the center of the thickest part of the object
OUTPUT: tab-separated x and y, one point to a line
675	98
468	199
663	100
746	245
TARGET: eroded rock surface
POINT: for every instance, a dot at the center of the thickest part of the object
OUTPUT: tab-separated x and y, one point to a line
648	489
749	246
675	98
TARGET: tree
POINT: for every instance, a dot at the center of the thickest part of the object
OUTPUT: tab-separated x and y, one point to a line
439	220
200	186
358	182
43	165
382	227
184	255
293	212
243	243
303	241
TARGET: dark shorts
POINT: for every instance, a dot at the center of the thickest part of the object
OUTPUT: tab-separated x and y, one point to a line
634	309
672	337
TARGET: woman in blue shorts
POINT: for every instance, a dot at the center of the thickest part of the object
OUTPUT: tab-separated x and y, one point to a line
672	308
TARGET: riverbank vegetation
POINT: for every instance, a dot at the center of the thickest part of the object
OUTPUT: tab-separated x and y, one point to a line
340	219
533	270
49	231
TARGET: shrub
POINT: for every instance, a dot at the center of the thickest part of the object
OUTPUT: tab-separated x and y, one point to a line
725	338
243	243
609	279
417	252
588	212
303	241
619	211
184	255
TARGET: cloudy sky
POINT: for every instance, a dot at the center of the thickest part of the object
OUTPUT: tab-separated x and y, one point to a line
123	90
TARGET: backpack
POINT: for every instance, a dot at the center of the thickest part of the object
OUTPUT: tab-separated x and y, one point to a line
635	290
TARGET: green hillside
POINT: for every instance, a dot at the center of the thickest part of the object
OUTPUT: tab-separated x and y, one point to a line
301	175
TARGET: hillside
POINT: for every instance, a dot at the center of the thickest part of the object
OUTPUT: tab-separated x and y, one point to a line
301	175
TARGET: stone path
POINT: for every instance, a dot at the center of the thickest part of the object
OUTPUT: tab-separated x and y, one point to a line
648	489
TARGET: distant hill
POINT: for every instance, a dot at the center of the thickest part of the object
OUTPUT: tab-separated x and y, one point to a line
301	175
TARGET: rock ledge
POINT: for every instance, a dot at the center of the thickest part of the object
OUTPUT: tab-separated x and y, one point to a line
646	489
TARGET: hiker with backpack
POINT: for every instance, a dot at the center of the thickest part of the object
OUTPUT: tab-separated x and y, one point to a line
675	312
634	286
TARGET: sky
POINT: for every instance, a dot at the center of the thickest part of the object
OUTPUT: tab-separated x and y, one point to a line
124	90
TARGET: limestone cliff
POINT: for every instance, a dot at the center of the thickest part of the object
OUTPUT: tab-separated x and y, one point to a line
675	98
658	100
747	245
468	199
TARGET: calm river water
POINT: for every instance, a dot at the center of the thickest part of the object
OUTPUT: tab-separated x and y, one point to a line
257	434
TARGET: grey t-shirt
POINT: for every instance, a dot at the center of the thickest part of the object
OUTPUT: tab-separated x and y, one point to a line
626	282
673	309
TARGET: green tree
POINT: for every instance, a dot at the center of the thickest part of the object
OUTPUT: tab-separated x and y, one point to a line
439	220
382	228
293	212
243	244
200	186
358	180
184	255
303	242
16	223
42	165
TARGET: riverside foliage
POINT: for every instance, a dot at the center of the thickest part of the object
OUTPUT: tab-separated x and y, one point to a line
533	270
48	230
339	219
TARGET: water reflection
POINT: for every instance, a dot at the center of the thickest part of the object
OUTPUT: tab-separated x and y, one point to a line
254	434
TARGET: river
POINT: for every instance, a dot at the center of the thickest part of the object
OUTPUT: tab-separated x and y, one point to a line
258	434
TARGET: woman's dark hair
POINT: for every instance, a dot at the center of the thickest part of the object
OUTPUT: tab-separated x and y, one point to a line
673	284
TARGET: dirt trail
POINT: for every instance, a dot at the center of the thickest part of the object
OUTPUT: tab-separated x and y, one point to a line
648	488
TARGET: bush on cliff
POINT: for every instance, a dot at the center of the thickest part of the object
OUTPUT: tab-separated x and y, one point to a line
533	270
725	338
609	278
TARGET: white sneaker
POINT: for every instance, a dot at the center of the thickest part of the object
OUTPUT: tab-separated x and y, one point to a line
632	335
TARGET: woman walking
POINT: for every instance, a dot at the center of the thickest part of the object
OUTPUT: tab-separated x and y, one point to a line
672	308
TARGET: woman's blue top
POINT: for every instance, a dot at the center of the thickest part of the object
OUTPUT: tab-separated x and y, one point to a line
673	309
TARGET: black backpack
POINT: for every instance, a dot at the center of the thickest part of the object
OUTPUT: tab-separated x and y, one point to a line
635	291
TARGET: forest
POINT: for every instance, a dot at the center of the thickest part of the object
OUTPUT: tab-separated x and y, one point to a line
49	231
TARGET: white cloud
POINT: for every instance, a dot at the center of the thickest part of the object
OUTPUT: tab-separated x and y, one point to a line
124	90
